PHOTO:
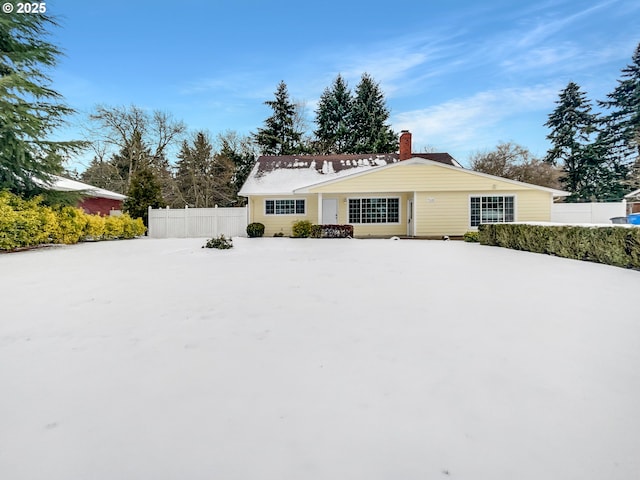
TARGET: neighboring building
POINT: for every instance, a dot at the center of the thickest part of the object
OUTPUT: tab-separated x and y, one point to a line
412	194
95	200
633	201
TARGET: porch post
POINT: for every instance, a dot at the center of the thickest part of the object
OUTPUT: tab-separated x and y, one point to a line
319	209
413	215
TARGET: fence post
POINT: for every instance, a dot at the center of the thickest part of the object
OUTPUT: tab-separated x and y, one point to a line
166	222
149	221
215	220
186	221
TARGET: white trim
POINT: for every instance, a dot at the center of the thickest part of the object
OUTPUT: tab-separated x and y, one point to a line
635	193
319	222
411	227
424	161
415	213
371	196
497	194
274	214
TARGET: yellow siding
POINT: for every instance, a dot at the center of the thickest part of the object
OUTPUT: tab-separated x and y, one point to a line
447	213
281	223
441	200
373	230
401	178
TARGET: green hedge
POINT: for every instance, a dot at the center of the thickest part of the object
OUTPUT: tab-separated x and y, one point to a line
26	223
618	246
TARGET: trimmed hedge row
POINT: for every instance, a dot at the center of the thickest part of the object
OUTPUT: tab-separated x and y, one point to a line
617	246
26	223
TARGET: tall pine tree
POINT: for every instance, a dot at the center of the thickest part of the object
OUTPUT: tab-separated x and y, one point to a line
29	108
203	176
370	131
240	150
279	135
143	193
572	125
622	125
333	118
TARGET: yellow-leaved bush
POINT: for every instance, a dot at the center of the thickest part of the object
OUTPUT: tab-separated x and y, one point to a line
25	223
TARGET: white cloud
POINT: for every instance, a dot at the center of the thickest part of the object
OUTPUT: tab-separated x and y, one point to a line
546	26
461	123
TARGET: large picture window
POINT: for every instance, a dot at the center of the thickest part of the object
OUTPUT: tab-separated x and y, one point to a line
284	207
374	210
492	209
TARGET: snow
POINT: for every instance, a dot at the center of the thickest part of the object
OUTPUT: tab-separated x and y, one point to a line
316	359
286	180
67	185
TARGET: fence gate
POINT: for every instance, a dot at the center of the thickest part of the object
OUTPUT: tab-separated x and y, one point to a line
197	222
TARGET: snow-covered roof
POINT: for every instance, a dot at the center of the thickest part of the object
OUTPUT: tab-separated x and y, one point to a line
61	184
274	175
634	194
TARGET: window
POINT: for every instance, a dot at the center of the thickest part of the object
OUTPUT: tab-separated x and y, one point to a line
492	209
374	210
284	207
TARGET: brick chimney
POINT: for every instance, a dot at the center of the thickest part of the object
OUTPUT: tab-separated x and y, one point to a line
405	145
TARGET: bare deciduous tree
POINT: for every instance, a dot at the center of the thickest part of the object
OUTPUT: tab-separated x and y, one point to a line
515	162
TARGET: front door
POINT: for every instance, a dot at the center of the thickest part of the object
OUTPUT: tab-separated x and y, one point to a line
329	211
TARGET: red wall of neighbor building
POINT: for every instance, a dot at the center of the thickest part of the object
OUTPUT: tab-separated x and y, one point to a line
100	206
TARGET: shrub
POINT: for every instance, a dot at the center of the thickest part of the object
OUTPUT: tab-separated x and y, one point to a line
72	223
278	234
471	237
220	243
113	228
131	228
94	230
301	229
255	230
26	223
332	231
617	246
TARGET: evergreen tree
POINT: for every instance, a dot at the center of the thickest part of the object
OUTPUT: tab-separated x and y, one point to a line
333	118
622	125
369	115
29	108
572	125
132	156
143	193
241	152
204	177
279	135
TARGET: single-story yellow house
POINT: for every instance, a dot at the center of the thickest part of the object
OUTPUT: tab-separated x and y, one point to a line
403	194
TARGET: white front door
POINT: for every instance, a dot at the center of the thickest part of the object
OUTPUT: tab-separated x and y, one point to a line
329	211
410	227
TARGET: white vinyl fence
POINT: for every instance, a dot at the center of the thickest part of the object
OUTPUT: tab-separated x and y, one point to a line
197	222
587	212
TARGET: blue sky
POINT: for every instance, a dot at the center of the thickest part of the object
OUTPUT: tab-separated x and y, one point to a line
461	75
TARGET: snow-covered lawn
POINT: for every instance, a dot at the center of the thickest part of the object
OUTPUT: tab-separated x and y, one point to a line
286	359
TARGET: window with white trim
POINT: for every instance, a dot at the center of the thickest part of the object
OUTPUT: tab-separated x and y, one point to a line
492	209
285	207
374	210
